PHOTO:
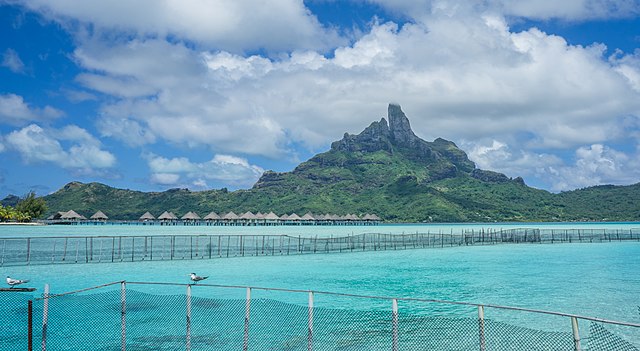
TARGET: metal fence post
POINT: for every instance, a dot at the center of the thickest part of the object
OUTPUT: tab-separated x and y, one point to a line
245	345
394	322
483	345
310	335
123	316
189	317
30	325
45	317
576	333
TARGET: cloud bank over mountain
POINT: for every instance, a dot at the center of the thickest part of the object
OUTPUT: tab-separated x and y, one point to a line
252	83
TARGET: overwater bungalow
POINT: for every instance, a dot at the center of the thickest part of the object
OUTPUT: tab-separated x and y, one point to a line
212	218
191	218
70	216
167	218
308	218
56	215
294	219
146	217
271	219
73	215
99	217
248	218
230	218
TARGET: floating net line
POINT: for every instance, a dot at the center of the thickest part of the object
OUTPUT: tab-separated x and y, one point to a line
111	249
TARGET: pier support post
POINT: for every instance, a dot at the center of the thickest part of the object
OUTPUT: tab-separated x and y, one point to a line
394	322
245	345
123	316
45	317
189	317
576	333
310	328
483	345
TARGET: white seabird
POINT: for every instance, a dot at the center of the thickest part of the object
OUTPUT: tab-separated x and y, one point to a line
13	282
197	278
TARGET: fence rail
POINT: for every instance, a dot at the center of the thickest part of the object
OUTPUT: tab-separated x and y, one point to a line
99	249
125	315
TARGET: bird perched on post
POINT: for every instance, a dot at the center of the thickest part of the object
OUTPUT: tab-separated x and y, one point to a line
13	282
197	278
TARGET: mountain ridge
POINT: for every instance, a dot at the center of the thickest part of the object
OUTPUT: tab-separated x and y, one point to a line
387	170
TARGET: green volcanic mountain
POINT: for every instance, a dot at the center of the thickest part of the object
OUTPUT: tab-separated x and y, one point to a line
386	170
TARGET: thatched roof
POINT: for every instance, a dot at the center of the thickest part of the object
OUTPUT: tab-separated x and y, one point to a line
212	216
191	216
271	216
147	216
57	215
99	215
308	217
294	217
166	215
231	216
284	217
71	214
248	215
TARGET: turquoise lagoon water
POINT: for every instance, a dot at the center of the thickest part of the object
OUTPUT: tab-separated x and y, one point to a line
593	279
599	279
305	231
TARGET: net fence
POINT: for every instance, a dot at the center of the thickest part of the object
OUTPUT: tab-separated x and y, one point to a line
159	316
102	249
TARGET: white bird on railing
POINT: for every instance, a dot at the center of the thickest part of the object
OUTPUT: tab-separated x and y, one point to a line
197	278
13	282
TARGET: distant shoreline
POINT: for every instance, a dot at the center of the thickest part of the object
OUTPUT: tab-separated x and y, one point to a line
25	223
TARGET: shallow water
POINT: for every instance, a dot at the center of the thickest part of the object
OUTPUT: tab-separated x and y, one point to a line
306	231
598	280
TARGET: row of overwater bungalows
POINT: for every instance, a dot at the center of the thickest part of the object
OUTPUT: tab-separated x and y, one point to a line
230	218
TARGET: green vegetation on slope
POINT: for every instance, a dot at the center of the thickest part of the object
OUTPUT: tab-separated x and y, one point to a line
386	170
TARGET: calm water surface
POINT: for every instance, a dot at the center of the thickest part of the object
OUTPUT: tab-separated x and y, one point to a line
307	231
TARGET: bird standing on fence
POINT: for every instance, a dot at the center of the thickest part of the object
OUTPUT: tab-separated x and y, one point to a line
13	282
197	278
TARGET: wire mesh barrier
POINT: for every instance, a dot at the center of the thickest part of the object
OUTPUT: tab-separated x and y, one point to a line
100	249
166	316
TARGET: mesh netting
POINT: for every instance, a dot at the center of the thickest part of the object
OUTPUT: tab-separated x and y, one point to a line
158	321
601	339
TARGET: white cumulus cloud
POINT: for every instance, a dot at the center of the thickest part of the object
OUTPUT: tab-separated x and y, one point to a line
15	111
458	70
532	9
228	25
227	169
83	153
590	165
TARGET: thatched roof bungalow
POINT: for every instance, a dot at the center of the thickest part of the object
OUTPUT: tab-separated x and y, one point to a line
308	217
99	216
167	216
212	216
271	218
190	216
147	216
72	215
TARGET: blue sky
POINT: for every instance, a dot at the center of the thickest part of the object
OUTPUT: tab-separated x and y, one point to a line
151	95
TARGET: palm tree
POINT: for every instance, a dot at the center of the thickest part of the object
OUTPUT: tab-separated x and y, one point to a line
4	213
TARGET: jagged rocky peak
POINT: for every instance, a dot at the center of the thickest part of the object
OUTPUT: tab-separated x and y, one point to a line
375	137
399	125
381	135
